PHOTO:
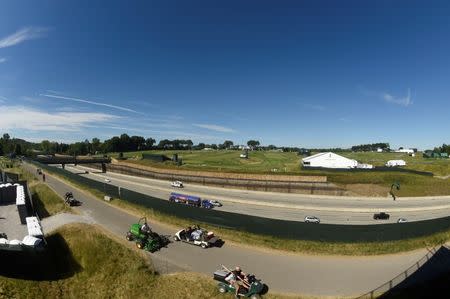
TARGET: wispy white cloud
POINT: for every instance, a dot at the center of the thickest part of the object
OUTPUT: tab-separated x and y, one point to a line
387	97
3	99
314	107
344	119
2	59
22	35
20	117
403	101
214	128
90	102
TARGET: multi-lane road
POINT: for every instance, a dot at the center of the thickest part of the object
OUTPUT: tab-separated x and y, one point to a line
330	209
283	272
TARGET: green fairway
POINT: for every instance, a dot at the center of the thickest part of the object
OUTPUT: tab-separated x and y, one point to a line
226	161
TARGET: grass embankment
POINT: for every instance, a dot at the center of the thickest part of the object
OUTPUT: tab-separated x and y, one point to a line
357	183
81	262
268	242
47	202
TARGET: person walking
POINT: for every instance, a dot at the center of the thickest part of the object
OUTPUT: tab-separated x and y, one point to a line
43	177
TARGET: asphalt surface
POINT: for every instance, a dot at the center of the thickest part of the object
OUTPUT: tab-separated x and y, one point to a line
334	210
286	273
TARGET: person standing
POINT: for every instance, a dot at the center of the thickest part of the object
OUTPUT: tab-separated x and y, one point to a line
43	177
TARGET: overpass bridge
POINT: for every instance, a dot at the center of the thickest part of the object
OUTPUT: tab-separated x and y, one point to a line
73	160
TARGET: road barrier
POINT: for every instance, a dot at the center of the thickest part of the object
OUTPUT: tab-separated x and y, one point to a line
267	226
272	183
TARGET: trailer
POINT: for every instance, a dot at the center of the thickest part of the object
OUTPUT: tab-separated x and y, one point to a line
190	200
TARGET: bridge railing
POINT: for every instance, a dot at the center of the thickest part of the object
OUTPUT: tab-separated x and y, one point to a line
389	285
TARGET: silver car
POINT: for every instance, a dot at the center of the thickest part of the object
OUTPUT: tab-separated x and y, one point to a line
312	219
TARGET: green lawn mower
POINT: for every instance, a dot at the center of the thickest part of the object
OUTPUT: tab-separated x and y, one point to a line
144	237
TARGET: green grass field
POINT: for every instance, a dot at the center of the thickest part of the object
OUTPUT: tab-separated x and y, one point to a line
267	161
82	262
357	183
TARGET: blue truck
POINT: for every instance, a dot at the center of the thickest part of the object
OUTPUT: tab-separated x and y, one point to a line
190	200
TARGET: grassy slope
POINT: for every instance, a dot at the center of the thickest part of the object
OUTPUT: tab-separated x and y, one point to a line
82	262
359	183
47	202
91	265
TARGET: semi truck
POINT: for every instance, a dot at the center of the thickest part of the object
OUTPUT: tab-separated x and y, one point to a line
190	200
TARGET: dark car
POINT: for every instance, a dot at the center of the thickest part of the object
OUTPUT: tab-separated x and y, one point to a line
381	216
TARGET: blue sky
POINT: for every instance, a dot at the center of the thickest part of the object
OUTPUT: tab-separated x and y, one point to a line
296	73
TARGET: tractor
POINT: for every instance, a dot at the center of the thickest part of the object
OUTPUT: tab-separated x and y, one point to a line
144	237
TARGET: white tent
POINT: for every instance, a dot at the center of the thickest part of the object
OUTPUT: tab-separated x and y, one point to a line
329	160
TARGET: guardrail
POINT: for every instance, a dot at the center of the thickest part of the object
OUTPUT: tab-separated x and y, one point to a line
437	255
267	226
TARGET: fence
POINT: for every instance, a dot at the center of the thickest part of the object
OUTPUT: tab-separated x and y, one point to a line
268	226
310	187
432	265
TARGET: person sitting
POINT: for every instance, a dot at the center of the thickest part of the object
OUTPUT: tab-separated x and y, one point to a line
188	232
236	279
145	229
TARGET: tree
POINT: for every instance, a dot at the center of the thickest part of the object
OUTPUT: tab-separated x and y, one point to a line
164	144
149	142
125	142
227	144
253	143
1	149
96	145
137	143
45	146
18	149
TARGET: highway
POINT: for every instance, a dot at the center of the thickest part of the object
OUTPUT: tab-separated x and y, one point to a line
333	210
283	272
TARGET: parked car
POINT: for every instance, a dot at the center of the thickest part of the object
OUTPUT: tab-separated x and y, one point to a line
312	219
402	220
381	216
177	184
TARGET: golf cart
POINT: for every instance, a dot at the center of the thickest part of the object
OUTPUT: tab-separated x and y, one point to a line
196	236
144	237
70	200
256	288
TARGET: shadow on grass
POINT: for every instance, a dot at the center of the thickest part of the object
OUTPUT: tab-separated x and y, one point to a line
39	206
54	263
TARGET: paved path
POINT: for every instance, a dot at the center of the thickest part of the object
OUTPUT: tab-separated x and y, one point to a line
330	209
51	223
283	272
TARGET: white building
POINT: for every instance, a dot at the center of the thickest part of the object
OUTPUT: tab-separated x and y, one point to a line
379	150
328	160
393	163
405	150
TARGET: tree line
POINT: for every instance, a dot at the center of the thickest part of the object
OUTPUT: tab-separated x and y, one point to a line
126	143
371	147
